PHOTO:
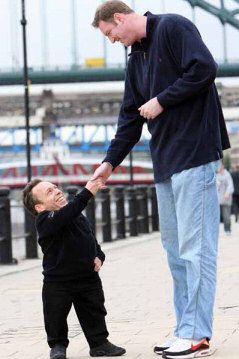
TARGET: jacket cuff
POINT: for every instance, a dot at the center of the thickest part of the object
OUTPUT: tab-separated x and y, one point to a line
162	100
85	194
101	256
110	163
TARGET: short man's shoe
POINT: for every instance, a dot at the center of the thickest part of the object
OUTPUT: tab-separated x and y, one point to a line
159	349
187	349
107	349
58	352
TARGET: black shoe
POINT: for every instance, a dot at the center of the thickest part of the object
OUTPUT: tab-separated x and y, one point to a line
58	352
107	350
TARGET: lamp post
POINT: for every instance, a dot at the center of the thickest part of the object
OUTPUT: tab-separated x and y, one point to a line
26	93
131	152
74	33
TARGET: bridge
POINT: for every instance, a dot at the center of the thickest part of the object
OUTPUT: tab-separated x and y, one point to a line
76	72
82	74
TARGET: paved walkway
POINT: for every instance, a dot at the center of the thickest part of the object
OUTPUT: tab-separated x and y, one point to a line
138	292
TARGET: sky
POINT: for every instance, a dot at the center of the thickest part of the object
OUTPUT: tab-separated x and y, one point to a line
55	30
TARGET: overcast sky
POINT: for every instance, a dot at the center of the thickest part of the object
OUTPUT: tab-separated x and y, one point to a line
56	27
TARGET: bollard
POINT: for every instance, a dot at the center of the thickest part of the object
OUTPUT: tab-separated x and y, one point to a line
143	214
90	212
154	208
5	227
106	217
72	191
31	236
131	198
120	212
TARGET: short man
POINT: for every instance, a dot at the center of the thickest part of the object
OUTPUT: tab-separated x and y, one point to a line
170	85
71	262
225	190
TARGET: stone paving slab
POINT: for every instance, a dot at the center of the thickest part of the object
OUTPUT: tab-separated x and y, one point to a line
138	291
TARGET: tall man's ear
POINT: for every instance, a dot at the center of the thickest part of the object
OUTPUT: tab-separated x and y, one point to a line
118	18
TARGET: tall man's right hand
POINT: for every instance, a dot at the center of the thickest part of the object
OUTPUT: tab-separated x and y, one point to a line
103	171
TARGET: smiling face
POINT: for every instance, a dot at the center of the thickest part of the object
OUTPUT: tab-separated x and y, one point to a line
48	197
120	30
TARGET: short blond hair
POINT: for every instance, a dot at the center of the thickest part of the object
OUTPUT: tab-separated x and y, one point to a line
106	11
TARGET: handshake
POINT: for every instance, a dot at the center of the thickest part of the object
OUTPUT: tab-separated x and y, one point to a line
99	178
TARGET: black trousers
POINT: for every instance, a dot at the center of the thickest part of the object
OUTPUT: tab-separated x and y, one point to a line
88	300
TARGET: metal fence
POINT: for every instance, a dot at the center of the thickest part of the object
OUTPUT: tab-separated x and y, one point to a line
115	213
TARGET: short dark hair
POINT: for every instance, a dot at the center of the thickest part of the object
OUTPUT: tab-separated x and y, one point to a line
106	11
27	197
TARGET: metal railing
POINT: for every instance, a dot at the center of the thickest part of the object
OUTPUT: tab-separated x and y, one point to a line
116	73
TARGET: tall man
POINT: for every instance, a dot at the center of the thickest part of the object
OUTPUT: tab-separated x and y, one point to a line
170	85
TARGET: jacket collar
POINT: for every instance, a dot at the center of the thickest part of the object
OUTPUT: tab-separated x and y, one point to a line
145	41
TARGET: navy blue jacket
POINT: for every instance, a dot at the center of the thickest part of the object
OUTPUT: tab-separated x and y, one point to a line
68	242
172	63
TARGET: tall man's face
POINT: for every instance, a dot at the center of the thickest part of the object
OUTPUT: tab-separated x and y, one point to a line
48	196
119	30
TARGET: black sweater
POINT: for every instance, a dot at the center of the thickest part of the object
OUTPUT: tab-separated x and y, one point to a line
68	242
173	64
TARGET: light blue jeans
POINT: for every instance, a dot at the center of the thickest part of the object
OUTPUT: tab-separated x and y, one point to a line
189	224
